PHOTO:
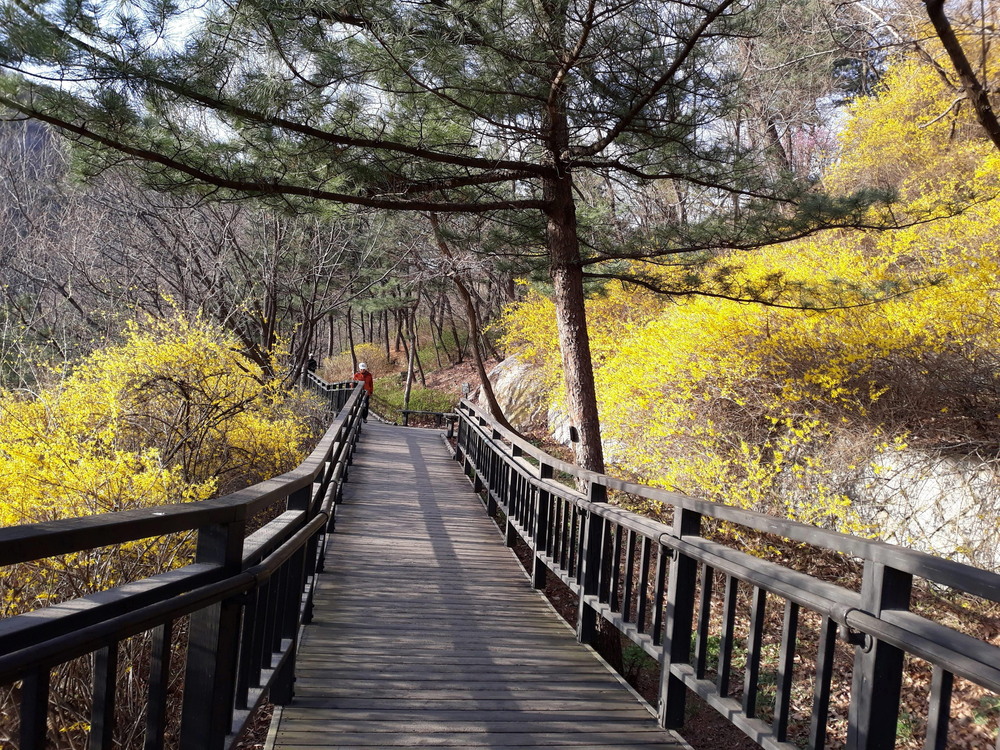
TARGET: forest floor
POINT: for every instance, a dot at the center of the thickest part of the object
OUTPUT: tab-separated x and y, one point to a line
451	379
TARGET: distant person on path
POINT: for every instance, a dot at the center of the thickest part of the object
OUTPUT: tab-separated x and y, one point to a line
366	377
369	385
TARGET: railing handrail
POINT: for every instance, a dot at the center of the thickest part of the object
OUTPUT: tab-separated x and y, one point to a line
970	579
218	590
440	417
617	561
35	541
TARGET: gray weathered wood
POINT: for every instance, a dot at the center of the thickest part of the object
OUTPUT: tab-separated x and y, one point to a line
427	633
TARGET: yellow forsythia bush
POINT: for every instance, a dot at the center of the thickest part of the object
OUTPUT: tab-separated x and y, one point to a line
171	414
782	410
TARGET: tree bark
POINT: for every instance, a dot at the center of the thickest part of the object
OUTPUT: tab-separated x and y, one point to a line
474	335
411	356
970	83
416	344
460	356
566	268
436	343
571	318
400	338
413	334
385	332
350	341
442	308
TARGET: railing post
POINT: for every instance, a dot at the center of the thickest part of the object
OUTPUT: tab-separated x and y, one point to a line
35	709
354	436
462	440
283	687
512	502
878	667
493	470
511	499
210	675
302	565
159	681
476	466
102	713
590	580
478	463
540	530
459	438
680	622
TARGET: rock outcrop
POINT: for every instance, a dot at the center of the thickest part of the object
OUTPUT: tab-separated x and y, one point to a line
520	393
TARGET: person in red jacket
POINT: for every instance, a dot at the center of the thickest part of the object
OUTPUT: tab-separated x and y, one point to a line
369	385
365	376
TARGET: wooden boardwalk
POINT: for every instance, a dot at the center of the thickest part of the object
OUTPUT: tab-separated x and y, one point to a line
427	633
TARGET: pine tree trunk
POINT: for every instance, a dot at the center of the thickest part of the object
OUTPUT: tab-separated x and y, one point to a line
411	356
385	330
485	385
416	344
571	318
400	338
454	332
441	332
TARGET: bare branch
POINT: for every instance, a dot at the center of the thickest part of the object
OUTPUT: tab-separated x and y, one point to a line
973	88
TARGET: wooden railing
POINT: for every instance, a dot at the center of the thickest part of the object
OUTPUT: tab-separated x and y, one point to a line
428	418
417	417
334	395
245	596
681	597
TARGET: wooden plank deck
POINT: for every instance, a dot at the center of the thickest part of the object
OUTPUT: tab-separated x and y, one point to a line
428	634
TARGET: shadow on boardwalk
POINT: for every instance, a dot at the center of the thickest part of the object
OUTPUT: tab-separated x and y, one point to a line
426	631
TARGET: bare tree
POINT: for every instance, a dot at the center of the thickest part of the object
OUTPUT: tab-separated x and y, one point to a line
79	260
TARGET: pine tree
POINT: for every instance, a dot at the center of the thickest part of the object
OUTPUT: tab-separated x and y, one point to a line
444	106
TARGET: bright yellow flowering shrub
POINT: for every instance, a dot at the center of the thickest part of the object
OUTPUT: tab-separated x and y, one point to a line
528	329
174	413
171	414
782	410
